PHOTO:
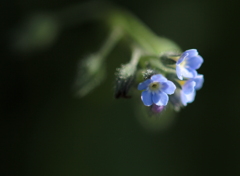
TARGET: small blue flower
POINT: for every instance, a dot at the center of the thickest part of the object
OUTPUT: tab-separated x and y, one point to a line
156	90
188	63
188	91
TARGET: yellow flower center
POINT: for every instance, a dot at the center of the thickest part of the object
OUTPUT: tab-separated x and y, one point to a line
181	82
175	58
183	63
154	86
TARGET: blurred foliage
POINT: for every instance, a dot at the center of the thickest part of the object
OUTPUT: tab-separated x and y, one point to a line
38	32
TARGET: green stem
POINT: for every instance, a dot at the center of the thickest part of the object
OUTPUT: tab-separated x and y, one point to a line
135	57
117	18
139	33
110	43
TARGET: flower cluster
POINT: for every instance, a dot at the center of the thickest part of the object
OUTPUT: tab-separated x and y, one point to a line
170	79
179	89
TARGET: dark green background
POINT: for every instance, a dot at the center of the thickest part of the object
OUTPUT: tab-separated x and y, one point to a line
46	130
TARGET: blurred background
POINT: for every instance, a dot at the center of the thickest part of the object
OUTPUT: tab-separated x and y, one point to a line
47	130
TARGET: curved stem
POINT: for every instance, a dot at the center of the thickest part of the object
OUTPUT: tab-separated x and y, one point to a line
140	33
120	18
110	43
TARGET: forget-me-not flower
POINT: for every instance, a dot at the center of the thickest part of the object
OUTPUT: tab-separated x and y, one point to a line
188	63
156	90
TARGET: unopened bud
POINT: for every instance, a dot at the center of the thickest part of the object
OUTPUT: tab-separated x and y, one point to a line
124	79
149	73
157	109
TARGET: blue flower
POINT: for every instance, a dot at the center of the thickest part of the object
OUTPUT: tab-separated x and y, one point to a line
188	91
188	63
156	90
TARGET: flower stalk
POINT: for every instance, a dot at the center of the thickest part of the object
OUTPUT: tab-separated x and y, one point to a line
167	77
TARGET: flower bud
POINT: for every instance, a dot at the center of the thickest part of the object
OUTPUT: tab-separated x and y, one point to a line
91	73
124	80
157	109
149	73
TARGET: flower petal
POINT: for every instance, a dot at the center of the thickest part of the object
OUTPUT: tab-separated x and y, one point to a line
190	97
187	98
179	72
182	57
163	99
199	79
188	87
184	99
155	97
195	62
168	87
144	85
187	54
185	72
147	98
158	78
188	72
191	52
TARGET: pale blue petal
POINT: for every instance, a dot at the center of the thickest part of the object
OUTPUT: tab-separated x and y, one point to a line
147	98
187	54
188	72
144	85
195	62
163	99
168	87
179	72
185	72
182	57
190	97
155	97
191	52
184	99
188	87
158	78
199	79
